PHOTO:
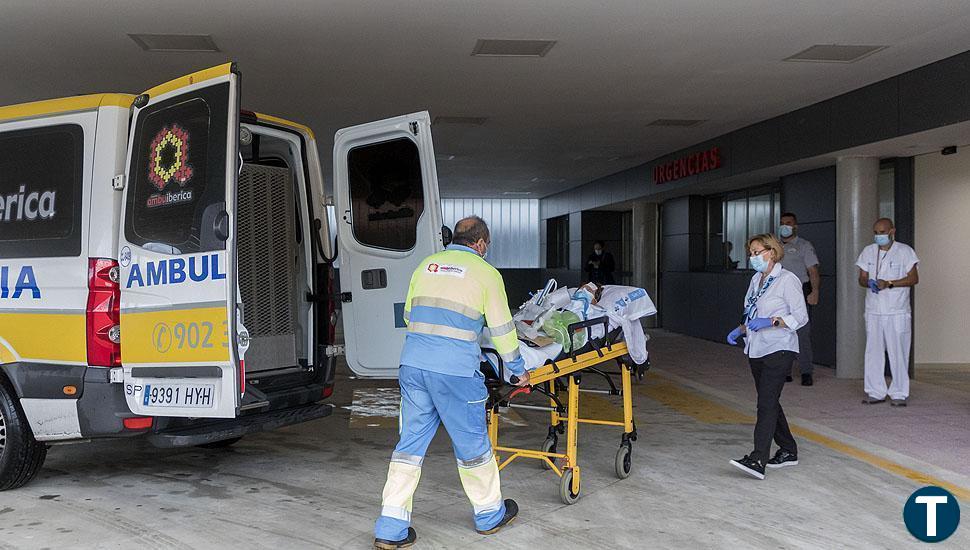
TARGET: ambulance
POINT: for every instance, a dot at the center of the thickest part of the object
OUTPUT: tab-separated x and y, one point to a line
167	265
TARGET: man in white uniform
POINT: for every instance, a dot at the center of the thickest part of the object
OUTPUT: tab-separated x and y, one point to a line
887	270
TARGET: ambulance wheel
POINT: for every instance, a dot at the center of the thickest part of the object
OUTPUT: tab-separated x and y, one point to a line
624	461
21	456
565	488
548	446
222	444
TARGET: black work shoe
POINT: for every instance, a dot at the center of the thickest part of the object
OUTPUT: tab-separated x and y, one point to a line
511	510
788	379
897	402
807	380
872	400
406	542
782	458
750	466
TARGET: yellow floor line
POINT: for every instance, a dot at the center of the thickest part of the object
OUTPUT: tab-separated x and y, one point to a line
705	410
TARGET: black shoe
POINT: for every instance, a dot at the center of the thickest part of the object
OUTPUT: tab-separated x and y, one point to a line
750	466
406	542
873	401
788	379
783	458
807	380
511	510
897	402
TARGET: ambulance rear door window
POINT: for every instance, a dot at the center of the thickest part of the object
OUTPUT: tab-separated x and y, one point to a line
178	172
386	193
41	174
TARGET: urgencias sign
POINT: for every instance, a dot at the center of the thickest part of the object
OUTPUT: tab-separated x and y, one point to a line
688	165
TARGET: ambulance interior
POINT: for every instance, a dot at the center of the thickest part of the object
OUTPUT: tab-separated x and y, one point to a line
273	250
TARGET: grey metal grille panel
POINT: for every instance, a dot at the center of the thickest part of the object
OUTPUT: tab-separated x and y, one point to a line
267	255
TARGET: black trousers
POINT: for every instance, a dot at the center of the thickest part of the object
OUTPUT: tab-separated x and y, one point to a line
769	379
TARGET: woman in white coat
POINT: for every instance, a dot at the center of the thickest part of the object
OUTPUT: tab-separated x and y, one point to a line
774	309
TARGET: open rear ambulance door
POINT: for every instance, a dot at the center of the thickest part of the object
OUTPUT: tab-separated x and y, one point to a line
389	219
182	338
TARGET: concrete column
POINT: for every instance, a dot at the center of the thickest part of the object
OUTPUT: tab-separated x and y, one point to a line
645	253
856	209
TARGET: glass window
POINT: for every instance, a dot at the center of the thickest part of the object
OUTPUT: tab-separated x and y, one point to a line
178	172
557	247
733	219
386	193
886	191
40	191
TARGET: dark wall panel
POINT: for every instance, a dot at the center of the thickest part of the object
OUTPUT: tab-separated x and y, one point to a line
810	195
804	133
676	216
674	304
676	253
518	284
823	324
935	95
865	115
754	146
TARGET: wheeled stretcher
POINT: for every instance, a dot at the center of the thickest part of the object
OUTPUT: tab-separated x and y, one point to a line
565	376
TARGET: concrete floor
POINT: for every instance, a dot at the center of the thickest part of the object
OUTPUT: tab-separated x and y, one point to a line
318	485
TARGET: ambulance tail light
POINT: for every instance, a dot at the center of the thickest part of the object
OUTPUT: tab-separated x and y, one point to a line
103	313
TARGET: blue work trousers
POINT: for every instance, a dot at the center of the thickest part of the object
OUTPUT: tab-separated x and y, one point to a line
429	399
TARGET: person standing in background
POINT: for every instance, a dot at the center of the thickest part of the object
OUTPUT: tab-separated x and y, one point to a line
887	269
801	260
600	265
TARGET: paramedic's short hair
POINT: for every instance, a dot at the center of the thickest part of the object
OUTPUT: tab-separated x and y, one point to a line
768	240
469	230
788	215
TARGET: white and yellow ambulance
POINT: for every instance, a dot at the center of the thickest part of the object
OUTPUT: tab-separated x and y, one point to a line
166	265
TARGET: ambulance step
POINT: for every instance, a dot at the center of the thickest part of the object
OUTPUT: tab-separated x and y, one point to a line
212	431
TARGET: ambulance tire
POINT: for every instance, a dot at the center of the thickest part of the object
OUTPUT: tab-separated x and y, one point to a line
223	444
21	456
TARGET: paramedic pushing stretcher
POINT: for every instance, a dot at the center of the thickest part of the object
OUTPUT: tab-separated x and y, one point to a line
454	295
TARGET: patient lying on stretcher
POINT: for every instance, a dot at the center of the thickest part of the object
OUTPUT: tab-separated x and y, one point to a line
542	327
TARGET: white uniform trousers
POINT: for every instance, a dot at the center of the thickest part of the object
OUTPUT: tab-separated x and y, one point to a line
892	334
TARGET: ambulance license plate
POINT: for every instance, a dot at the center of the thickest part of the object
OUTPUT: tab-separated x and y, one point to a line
196	396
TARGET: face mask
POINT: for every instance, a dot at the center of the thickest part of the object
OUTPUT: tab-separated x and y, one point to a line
758	263
882	240
598	252
785	231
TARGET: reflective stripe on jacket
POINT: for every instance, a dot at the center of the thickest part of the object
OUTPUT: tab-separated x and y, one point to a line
454	295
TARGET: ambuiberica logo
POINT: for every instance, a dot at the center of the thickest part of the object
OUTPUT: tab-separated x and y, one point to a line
168	156
931	514
27	205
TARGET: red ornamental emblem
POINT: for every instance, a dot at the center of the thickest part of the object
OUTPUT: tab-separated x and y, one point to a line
432	268
169	157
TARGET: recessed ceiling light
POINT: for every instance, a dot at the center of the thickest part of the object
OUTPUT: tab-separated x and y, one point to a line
469	120
175	42
834	53
677	122
494	47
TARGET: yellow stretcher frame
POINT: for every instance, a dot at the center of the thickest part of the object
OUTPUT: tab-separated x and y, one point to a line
570	367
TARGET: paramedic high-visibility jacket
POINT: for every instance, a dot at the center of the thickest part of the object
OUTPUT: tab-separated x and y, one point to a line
454	295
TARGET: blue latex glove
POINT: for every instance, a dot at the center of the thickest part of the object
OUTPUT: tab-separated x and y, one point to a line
874	286
733	337
759	323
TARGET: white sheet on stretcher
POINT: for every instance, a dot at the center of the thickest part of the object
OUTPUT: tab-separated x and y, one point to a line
624	307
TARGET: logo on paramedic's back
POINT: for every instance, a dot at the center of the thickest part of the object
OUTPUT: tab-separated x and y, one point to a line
931	514
173	271
30	206
449	270
168	156
14	288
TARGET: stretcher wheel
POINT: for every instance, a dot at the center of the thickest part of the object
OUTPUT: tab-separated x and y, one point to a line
624	461
548	446
565	488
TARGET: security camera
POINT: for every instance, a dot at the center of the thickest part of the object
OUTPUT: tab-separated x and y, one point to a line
949	150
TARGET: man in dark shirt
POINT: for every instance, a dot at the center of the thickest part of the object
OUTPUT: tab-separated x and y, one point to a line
600	265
